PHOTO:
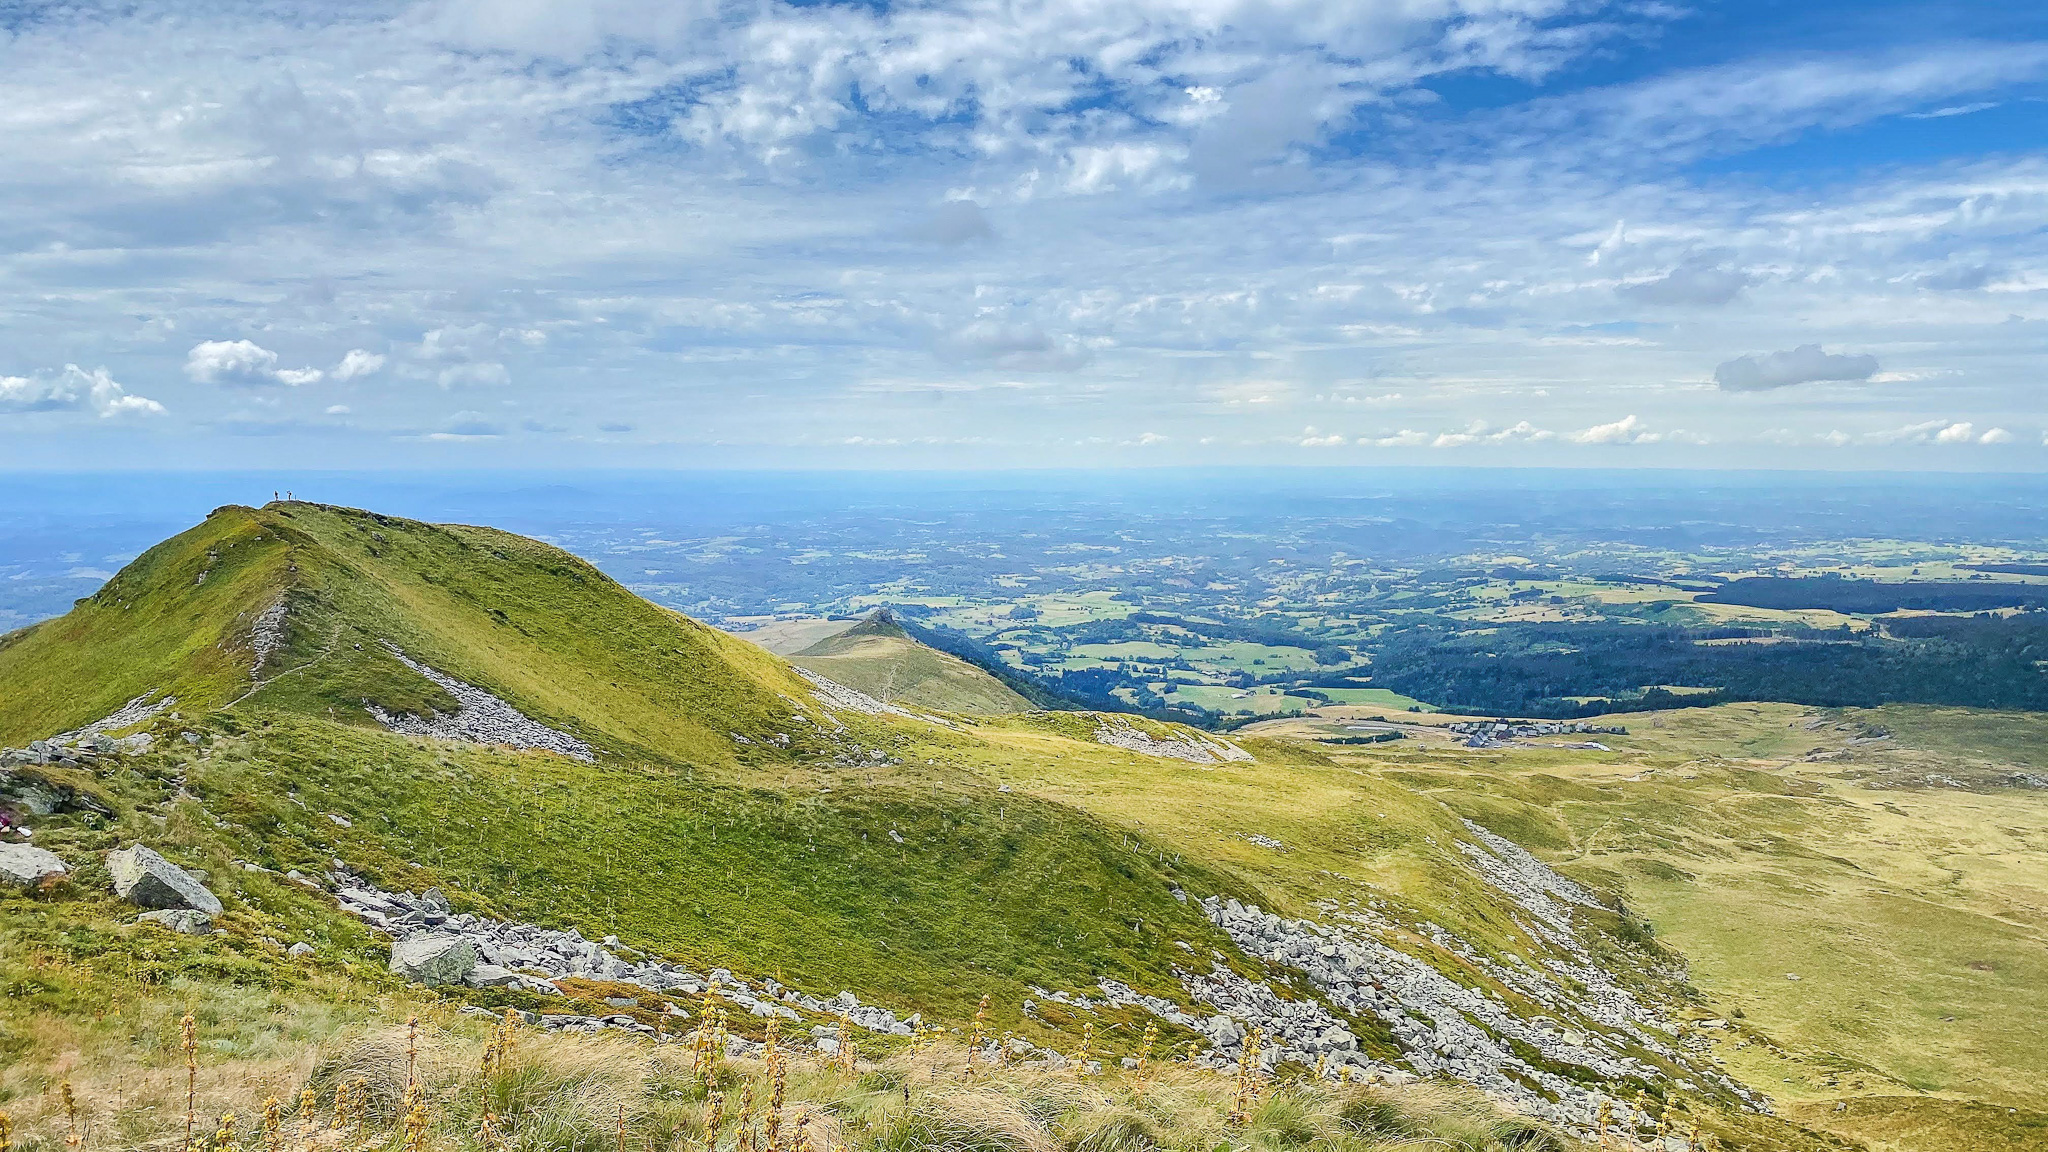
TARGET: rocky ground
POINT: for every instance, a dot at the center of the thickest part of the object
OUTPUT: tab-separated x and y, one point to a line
481	719
1119	732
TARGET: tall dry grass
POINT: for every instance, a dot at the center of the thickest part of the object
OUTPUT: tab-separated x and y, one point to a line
458	1085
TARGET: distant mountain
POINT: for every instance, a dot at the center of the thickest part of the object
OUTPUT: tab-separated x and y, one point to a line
879	658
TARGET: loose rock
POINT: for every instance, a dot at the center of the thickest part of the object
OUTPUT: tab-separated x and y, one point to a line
143	877
183	921
24	865
437	958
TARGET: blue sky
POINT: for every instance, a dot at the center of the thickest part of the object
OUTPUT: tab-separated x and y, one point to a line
981	233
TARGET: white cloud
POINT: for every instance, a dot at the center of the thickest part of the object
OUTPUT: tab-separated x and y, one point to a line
693	214
1108	168
1802	365
242	363
1405	438
1953	110
22	394
358	363
1939	432
1479	432
1627	430
74	389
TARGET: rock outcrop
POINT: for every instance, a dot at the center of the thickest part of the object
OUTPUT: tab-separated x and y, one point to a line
183	921
434	958
1119	732
25	866
511	954
143	877
833	694
481	718
134	712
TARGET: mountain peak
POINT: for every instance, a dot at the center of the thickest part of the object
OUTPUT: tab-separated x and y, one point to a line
333	611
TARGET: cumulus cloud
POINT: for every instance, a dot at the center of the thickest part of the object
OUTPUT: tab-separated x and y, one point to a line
358	363
1802	365
242	363
1482	433
1698	282
1405	438
1187	193
1939	432
1627	430
74	389
21	394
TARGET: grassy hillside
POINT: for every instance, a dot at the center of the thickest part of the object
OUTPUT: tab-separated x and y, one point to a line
729	819
879	658
1864	893
544	630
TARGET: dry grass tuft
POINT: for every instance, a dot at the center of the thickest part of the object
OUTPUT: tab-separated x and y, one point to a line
428	1086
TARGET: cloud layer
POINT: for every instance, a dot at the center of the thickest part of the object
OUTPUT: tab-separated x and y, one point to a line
1016	231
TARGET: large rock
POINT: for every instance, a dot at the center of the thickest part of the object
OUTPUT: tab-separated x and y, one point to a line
492	976
25	865
437	958
143	877
183	921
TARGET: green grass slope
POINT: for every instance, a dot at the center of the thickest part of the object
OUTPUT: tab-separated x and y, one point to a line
536	626
879	658
728	820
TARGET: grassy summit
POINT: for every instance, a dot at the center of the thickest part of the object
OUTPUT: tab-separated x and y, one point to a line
879	658
546	631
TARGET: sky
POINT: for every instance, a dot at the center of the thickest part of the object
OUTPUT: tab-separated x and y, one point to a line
1018	233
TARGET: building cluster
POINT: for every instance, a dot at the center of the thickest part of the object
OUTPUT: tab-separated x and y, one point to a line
1488	731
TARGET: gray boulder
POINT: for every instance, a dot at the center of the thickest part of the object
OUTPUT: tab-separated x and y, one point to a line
436	958
492	976
143	877
180	920
300	949
25	865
